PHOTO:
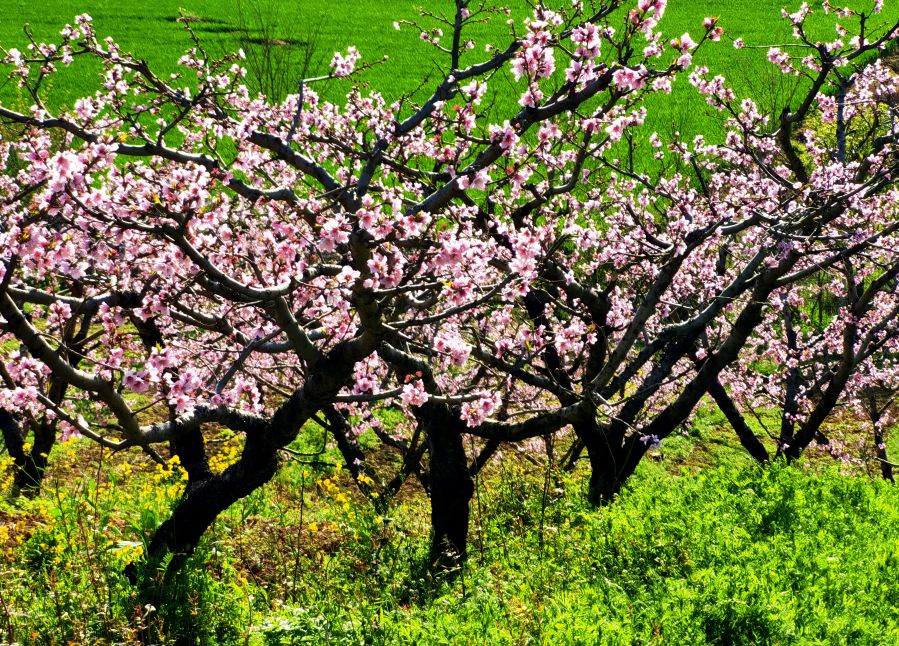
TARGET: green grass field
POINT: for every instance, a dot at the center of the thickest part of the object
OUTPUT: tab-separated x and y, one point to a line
150	30
687	555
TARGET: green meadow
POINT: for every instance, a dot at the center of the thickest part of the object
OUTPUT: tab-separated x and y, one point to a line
690	553
320	27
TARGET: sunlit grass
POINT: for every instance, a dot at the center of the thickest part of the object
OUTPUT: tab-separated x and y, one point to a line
150	31
734	554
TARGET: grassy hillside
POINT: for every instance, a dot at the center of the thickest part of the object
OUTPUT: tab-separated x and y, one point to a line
150	30
735	555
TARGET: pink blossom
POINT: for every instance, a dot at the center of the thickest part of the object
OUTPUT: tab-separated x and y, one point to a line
343	65
414	394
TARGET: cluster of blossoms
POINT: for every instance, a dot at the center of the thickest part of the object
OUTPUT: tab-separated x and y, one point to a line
343	65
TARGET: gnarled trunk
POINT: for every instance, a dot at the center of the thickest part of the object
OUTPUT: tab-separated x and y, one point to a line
451	487
190	447
612	462
205	499
31	465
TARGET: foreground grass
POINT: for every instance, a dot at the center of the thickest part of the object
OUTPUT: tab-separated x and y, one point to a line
737	555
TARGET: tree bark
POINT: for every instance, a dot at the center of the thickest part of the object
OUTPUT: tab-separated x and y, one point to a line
875	412
886	467
205	499
29	466
613	459
610	469
190	447
30	474
750	442
451	487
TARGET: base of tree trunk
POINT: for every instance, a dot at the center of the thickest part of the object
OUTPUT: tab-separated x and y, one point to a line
452	488
611	464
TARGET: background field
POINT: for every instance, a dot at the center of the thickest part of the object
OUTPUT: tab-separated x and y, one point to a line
150	30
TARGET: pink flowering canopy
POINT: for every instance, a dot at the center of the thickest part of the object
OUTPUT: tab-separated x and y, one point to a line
178	252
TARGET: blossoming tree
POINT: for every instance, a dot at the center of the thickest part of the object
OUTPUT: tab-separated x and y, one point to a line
829	340
178	253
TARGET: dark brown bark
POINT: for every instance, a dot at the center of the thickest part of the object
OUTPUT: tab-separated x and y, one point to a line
616	458
614	452
354	459
572	455
612	457
206	499
875	413
29	466
791	392
612	462
886	467
748	439
451	487
30	474
14	440
190	447
448	480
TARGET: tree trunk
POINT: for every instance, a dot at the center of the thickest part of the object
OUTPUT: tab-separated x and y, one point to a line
875	413
190	447
612	461
13	439
750	442
30	466
30	475
451	488
886	467
204	500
